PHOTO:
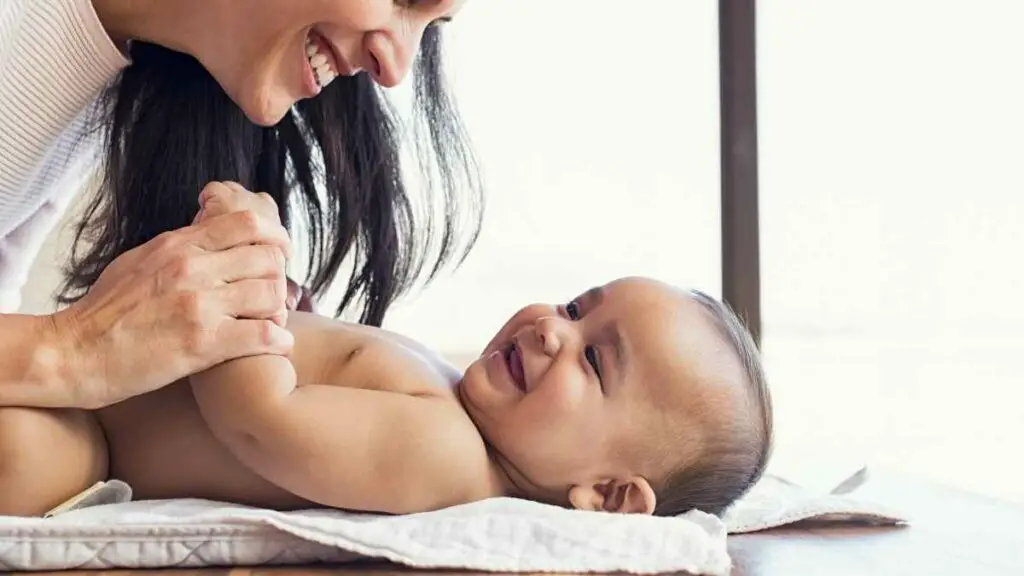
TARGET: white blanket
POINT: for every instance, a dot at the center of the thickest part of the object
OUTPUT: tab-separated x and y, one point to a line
502	535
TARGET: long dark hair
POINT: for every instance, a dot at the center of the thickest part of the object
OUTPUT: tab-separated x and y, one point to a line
169	128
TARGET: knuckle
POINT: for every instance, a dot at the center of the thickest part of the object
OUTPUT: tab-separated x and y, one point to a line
215	191
179	268
277	293
267	199
197	334
165	241
275	257
264	332
215	206
249	221
220	193
217	187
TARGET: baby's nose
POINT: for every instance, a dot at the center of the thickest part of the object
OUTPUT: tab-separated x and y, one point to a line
547	333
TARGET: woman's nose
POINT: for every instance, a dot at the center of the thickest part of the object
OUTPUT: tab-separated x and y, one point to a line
388	61
395	58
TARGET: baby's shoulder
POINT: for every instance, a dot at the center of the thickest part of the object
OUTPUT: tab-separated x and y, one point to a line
337	353
457	468
392	366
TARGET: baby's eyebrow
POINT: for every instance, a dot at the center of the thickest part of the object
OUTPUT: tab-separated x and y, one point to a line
593	296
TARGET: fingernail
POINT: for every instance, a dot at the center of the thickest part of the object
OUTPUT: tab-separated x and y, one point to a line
291	302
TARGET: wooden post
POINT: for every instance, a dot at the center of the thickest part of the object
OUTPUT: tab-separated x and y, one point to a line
741	284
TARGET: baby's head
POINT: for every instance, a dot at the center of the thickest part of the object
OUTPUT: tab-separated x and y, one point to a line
634	397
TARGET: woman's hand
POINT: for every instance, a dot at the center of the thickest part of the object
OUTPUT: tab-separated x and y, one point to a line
223	198
185	301
228	197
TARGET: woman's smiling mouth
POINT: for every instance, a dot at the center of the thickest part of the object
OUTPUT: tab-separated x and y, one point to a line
323	62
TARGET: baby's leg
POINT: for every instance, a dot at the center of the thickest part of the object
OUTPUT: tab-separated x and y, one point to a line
46	457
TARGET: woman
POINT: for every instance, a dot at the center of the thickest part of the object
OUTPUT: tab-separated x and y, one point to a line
274	96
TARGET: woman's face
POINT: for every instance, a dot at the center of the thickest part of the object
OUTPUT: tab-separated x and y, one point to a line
268	54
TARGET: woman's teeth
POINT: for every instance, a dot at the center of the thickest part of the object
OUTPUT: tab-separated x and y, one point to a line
322	70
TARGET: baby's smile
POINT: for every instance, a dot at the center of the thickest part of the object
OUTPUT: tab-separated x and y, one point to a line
514	362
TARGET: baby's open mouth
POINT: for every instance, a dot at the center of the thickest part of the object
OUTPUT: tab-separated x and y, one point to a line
515	366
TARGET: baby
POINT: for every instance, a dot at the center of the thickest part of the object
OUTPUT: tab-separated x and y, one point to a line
634	397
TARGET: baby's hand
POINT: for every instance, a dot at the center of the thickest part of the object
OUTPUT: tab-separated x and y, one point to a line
299	298
219	198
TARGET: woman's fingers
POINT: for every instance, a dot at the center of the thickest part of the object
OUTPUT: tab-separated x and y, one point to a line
237	229
242	337
252	298
242	231
184	301
255	261
249	280
223	197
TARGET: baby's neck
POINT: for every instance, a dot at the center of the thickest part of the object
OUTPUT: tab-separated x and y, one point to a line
514	484
506	480
501	473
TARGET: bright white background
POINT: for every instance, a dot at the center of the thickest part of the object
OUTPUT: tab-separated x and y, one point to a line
892	200
597	131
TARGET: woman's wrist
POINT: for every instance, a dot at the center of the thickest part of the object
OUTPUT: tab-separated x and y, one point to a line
32	367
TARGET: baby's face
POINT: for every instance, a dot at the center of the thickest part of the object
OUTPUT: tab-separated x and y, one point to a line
612	386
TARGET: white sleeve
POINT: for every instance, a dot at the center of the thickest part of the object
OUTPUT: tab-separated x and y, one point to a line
55	59
18	250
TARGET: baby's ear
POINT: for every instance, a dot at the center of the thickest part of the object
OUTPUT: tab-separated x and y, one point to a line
626	496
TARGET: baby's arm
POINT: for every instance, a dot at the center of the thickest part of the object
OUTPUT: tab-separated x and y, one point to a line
343	447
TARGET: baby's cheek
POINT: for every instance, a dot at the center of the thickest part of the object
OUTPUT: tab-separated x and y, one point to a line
524	317
567	390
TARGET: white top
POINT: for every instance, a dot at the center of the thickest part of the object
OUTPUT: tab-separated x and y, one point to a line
55	59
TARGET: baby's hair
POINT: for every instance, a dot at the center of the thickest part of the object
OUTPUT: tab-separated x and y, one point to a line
734	458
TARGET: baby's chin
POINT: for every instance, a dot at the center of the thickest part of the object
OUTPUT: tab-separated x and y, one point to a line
469	372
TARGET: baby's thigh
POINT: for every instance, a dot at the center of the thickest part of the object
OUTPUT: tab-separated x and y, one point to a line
46	457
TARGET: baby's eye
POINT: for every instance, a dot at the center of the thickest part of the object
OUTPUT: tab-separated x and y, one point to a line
591	355
572	309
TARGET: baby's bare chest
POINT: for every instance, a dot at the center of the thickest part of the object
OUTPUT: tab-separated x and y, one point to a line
335	354
160	444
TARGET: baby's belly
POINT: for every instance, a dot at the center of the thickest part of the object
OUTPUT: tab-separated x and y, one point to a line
161	447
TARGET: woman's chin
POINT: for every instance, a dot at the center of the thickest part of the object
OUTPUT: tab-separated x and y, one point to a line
266	108
268	117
